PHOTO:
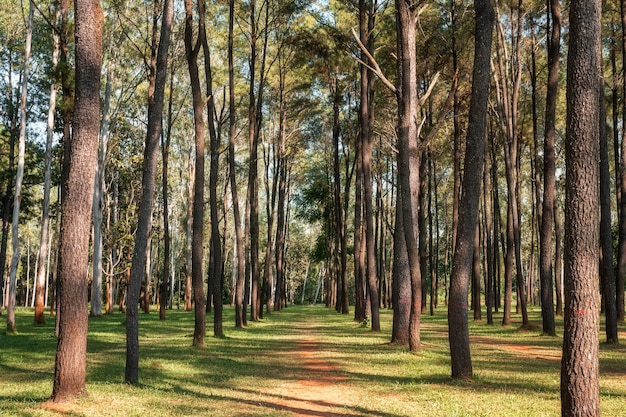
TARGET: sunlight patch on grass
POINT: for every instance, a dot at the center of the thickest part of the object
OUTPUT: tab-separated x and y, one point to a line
262	370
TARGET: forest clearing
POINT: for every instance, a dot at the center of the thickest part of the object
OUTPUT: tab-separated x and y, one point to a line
302	361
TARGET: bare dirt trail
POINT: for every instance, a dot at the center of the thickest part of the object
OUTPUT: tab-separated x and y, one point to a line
318	387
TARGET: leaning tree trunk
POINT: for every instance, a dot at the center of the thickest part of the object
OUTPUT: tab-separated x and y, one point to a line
144	226
462	261
79	167
17	198
580	394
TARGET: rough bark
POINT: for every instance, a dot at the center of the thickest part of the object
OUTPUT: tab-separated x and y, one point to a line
607	273
462	259
401	291
580	394
79	167
549	171
621	260
253	180
144	226
240	308
215	263
197	249
408	154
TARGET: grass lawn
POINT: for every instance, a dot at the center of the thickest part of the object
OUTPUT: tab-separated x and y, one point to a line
269	369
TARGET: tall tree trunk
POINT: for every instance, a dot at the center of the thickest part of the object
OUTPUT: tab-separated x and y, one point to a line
98	203
79	167
166	281
549	171
144	225
607	273
189	230
253	180
340	229
476	269
368	212
197	250
281	158
240	306
489	240
408	154
17	198
421	226
401	292
464	248
6	199
580	391
42	272
621	261
215	263
558	261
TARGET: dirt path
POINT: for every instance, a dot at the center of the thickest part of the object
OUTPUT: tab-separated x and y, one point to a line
320	389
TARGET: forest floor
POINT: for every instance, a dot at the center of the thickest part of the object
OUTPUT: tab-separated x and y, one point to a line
302	361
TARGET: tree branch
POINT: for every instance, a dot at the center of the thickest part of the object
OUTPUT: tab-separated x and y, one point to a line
374	65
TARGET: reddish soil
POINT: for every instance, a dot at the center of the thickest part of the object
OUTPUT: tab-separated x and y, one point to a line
320	388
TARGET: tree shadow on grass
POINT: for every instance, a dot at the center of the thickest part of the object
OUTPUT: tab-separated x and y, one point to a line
276	402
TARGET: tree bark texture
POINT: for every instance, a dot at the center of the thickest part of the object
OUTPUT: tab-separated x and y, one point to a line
144	226
197	249
79	167
549	172
580	366
474	155
621	260
408	154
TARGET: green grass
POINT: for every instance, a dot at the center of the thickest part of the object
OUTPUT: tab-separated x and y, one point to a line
252	372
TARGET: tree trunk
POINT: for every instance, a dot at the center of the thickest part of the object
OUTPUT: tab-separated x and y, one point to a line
215	263
98	203
144	225
254	101
6	199
197	250
189	230
401	295
166	281
17	198
621	261
79	167
408	155
580	391
42	272
240	306
549	171
476	269
489	240
464	248
607	273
